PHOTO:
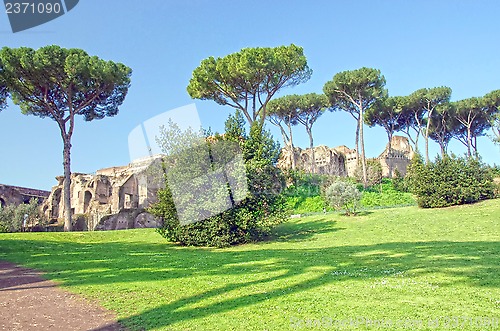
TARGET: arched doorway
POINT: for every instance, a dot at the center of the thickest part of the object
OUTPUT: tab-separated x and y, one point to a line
86	201
56	201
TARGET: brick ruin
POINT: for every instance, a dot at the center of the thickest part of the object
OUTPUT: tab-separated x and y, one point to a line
15	195
110	199
343	161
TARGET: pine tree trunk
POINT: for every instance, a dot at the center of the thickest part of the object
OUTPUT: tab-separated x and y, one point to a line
389	154
294	164
67	183
357	142
469	142
362	141
427	160
416	141
443	150
476	154
311	145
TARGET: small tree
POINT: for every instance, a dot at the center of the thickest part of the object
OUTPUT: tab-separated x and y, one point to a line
342	195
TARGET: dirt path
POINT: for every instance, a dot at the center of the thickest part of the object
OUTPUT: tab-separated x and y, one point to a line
29	302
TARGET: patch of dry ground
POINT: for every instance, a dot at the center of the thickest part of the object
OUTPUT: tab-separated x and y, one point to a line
29	302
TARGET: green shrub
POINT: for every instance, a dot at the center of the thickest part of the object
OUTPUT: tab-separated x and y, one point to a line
385	195
252	216
300	182
301	205
450	181
342	195
399	182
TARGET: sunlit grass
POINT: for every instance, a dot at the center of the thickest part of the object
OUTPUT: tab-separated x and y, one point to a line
322	272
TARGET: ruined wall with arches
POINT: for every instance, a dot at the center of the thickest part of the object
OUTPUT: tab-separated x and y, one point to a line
343	161
107	192
15	195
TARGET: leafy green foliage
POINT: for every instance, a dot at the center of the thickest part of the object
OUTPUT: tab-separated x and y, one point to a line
306	194
303	183
252	217
248	79
386	194
303	205
342	195
3	89
13	217
450	181
492	101
399	182
389	113
303	194
355	90
51	81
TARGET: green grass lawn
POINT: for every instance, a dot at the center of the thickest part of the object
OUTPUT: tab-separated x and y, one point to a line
417	269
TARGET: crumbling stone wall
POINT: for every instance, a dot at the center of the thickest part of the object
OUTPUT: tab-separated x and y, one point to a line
343	161
15	195
108	192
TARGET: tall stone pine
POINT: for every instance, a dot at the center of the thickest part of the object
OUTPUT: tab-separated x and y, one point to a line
304	109
248	79
388	113
354	92
473	117
442	126
61	84
492	101
281	112
426	100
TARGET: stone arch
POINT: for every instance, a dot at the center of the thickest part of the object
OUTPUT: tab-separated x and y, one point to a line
87	198
2	202
56	201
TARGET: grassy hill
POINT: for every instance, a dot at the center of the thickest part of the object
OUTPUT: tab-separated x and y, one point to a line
401	268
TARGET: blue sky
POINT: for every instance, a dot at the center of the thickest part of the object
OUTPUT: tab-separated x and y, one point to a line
414	43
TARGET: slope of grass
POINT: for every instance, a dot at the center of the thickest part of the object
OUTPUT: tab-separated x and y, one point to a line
307	198
396	269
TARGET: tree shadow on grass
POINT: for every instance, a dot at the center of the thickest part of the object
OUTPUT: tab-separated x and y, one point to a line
303	229
254	274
